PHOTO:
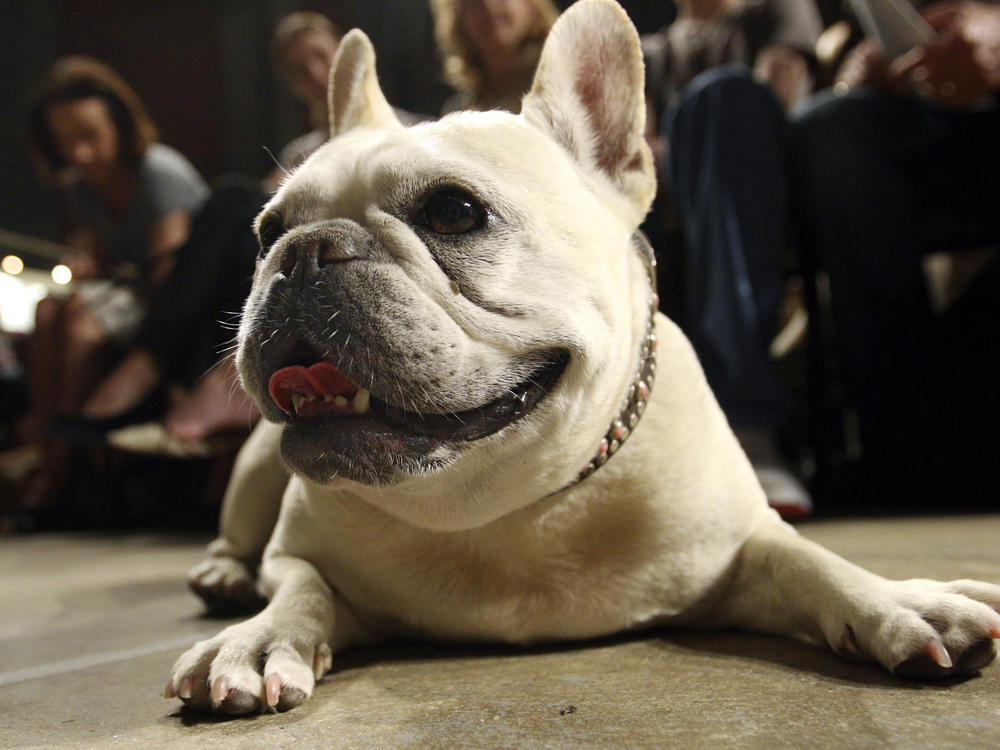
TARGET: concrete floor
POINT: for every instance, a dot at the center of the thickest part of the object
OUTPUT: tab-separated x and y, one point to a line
90	624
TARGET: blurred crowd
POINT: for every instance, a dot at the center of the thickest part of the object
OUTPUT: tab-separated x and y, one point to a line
800	166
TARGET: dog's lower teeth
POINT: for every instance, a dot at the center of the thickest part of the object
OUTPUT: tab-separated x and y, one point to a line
329	403
362	399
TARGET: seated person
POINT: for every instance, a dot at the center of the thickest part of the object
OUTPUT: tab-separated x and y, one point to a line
720	80
900	159
490	49
191	320
200	307
128	206
303	49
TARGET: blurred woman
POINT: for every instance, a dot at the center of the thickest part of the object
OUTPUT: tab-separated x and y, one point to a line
303	49
490	49
191	321
128	202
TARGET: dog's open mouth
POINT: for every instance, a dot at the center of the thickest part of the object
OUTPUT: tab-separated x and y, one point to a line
321	392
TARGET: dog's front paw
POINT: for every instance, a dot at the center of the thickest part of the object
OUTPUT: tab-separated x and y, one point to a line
255	665
226	585
924	629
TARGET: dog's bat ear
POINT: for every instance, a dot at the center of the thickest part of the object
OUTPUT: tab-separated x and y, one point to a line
588	94
354	96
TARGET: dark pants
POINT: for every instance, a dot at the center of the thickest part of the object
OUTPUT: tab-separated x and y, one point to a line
193	315
727	177
879	182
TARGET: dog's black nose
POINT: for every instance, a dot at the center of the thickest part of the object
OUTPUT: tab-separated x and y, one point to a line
335	242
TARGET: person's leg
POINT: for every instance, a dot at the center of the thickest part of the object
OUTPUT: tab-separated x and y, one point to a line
216	404
880	180
86	355
132	380
205	289
79	352
955	180
727	175
209	282
43	350
728	178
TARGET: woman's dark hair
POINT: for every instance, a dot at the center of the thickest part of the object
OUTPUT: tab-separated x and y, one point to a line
72	79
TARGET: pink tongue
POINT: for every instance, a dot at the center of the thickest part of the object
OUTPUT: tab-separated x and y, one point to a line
326	378
318	380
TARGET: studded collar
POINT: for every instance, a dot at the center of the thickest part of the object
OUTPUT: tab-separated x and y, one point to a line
635	399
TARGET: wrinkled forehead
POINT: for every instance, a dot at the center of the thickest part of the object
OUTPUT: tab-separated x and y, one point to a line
489	154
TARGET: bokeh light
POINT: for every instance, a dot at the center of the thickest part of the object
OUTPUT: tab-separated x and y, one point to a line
12	264
61	274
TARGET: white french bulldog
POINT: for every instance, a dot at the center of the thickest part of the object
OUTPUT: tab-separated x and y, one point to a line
492	434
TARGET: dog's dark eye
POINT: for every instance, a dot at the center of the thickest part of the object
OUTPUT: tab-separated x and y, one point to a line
271	228
453	212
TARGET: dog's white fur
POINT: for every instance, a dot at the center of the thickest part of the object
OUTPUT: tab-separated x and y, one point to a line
674	529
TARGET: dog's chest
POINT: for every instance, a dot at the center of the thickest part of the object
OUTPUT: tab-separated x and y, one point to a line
521	579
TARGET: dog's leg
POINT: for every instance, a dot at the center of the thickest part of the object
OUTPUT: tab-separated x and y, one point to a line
785	584
225	580
271	661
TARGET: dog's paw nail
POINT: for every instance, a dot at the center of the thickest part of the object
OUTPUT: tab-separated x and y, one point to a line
186	689
168	691
322	661
220	689
849	642
272	690
935	650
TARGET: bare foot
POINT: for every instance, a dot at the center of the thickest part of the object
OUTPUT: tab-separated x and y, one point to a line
216	404
127	385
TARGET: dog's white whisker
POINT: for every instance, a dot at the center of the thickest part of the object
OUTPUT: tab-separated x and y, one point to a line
277	163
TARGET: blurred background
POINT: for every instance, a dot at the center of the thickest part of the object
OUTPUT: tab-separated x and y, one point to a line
203	69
